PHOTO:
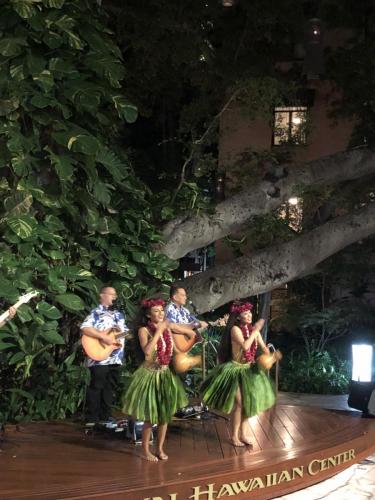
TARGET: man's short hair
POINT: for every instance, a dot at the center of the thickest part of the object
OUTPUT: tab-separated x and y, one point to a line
174	289
105	288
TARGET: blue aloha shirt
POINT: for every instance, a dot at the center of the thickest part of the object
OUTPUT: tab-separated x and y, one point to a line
102	318
179	314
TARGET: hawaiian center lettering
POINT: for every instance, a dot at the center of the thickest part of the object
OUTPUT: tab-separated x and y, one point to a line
212	491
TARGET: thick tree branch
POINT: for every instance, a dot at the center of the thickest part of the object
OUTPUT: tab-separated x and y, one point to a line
272	267
232	213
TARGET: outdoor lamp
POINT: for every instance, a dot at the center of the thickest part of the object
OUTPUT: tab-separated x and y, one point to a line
362	362
361	388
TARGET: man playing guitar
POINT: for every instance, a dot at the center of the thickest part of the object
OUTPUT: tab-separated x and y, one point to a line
104	374
180	317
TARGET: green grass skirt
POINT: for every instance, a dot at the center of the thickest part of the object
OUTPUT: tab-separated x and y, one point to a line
154	395
220	388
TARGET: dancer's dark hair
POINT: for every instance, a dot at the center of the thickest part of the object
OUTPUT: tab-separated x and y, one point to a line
225	348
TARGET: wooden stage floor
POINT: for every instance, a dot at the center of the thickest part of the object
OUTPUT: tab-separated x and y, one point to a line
293	447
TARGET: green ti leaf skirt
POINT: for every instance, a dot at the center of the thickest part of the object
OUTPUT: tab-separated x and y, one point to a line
154	395
220	388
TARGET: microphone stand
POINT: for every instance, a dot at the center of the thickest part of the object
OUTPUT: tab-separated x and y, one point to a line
195	311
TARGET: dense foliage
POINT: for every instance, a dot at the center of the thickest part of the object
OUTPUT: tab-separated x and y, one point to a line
319	373
73	215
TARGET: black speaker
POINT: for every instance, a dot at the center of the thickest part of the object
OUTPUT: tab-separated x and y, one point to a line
359	395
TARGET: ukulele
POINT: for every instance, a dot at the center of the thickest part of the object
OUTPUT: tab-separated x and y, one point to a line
98	350
22	299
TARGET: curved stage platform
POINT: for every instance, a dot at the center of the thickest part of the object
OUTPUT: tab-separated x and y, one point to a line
294	447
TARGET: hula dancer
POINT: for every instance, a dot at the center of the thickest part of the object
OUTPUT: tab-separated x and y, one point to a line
238	385
154	393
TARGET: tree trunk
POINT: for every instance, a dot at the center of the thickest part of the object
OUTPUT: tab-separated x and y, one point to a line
269	268
186	234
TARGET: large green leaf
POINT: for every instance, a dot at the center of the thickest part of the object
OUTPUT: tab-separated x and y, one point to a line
40	101
85	144
56	284
25	8
21	164
53	223
7	106
48	310
65	22
25	313
56	4
19	203
70	301
44	80
6	345
52	39
140	257
112	163
64	165
125	109
102	193
60	65
23	226
16	358
17	71
12	46
54	254
74	40
52	337
35	62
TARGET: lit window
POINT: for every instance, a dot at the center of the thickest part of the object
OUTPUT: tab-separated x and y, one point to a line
289	125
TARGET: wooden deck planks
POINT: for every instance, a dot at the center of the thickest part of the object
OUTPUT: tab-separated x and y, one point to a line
56	460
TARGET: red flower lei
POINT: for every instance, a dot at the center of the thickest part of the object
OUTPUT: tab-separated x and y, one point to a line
164	346
249	354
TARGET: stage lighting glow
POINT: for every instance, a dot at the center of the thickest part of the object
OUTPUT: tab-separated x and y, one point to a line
362	362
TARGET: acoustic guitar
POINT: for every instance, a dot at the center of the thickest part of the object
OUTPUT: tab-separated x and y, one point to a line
22	299
185	342
98	350
182	362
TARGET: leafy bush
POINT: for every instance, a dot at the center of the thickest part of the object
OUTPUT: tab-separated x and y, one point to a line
319	373
72	213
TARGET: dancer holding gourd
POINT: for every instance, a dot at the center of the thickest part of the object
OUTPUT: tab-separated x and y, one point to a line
238	385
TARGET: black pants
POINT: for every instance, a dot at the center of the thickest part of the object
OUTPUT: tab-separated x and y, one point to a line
99	397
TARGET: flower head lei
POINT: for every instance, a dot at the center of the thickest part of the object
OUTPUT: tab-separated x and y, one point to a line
238	307
148	303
